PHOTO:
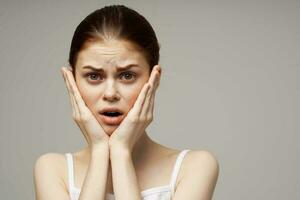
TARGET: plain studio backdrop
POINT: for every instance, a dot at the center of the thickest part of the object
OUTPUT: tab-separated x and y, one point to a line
230	85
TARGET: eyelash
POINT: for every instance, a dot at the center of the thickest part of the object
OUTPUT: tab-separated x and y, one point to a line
130	73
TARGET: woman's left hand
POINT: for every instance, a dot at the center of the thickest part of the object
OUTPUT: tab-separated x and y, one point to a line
139	117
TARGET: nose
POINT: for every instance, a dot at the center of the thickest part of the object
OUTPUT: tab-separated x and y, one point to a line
110	92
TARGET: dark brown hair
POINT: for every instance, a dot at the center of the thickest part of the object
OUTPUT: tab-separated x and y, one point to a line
116	22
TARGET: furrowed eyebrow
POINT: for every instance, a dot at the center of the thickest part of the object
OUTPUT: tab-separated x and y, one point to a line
119	68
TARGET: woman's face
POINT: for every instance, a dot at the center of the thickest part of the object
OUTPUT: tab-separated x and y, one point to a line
109	85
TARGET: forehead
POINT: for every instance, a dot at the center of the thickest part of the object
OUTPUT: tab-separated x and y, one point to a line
110	53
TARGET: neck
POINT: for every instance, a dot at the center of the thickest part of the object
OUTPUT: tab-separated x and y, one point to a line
142	148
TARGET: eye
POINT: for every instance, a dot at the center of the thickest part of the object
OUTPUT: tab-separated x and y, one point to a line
93	76
128	75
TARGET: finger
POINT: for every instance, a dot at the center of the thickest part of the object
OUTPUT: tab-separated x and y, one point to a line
76	109
159	68
147	103
136	109
152	84
153	81
152	75
78	99
152	101
138	105
151	104
159	77
82	128
77	115
160	72
70	90
74	106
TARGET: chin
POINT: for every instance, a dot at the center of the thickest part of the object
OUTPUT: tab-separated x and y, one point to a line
109	129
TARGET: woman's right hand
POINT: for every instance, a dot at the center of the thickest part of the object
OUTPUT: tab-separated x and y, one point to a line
84	118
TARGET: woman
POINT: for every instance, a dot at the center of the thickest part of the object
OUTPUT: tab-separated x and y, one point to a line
111	82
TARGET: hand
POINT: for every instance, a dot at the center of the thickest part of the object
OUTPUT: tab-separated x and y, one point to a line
88	124
139	116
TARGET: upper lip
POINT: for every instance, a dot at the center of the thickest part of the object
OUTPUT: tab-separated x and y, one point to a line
110	110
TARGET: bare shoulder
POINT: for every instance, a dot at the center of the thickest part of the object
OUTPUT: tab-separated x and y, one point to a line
54	162
49	174
201	160
200	174
56	157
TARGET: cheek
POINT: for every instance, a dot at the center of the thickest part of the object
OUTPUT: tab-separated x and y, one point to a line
87	94
133	95
134	92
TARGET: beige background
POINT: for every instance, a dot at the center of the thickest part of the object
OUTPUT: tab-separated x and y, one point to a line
230	85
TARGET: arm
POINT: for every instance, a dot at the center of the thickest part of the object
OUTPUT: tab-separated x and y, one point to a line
49	184
94	185
123	175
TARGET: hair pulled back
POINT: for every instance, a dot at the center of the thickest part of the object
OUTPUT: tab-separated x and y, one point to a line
116	22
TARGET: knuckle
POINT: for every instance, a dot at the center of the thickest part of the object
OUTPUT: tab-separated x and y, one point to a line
134	120
144	119
84	118
75	118
149	118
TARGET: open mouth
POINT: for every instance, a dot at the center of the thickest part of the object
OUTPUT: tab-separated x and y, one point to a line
112	114
112	117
